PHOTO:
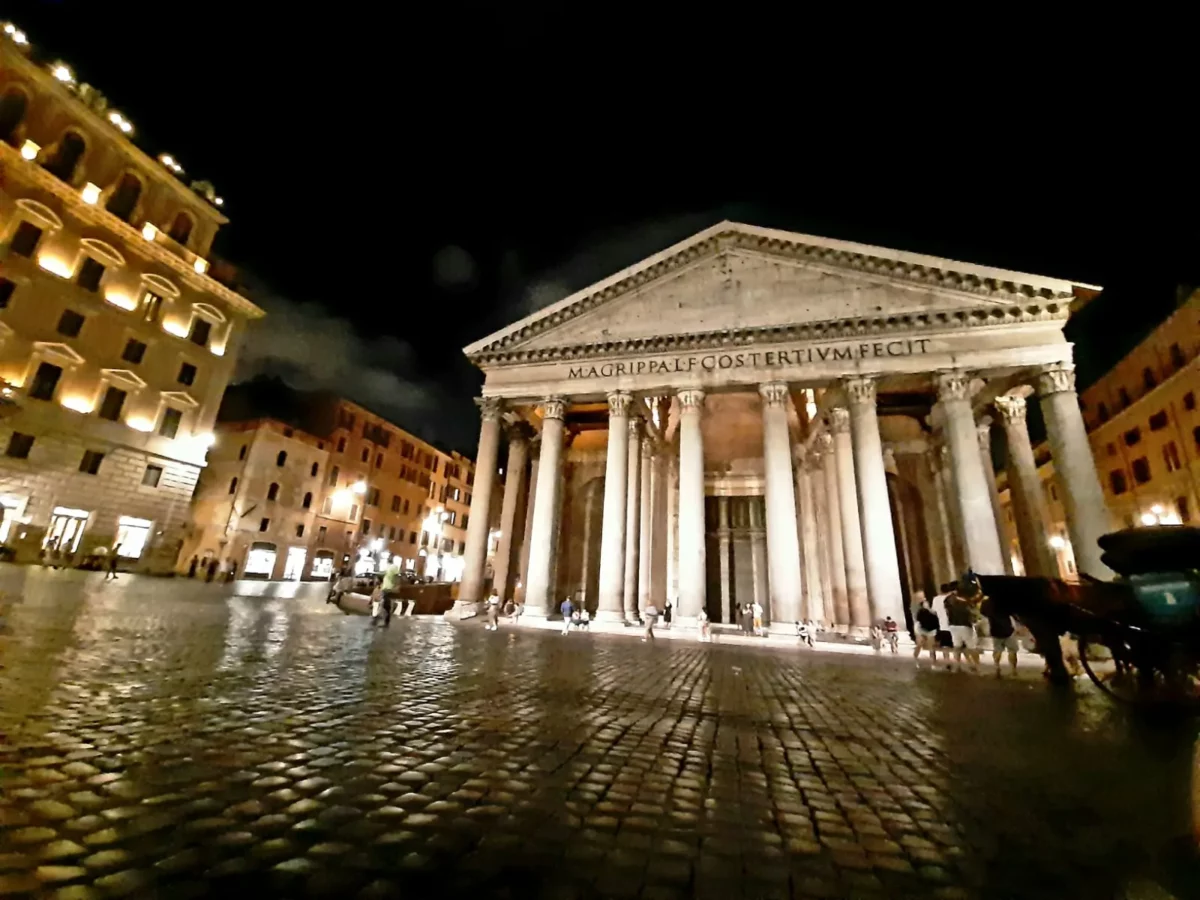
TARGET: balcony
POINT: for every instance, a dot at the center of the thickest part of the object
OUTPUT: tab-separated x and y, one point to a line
147	241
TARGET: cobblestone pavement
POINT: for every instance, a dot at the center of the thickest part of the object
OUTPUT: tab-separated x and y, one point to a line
163	741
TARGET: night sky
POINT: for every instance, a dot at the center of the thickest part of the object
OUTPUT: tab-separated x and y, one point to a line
401	186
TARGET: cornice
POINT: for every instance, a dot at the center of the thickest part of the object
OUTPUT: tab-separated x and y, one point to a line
947	277
830	330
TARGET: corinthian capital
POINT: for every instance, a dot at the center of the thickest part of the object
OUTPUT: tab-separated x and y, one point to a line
618	404
774	393
860	391
839	420
1011	409
1056	379
554	408
691	400
489	408
953	385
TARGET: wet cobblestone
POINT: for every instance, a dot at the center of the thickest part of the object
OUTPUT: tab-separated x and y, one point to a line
157	745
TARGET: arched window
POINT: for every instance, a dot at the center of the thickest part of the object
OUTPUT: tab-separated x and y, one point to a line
124	198
66	157
273	491
12	113
181	228
1148	378
233	486
307	500
316	467
281	458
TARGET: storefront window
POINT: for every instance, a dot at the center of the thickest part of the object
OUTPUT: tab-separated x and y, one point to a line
294	568
322	565
260	561
132	535
66	528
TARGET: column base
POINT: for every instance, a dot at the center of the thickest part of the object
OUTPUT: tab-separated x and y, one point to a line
609	617
681	623
784	629
538	614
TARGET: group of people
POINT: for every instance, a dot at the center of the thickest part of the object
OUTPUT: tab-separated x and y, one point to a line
887	630
750	618
210	567
956	620
54	557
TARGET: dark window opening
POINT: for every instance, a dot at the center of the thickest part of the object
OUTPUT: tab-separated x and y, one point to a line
1189	400
111	405
242	452
151	476
273	491
1158	421
45	381
1141	470
12	112
201	329
341	445
153	303
90	464
70	323
333	476
1123	395
264	524
181	228
25	239
89	274
1132	436
365	454
233	486
281	457
307	500
1177	359
187	374
170	423
1185	512
1148	378
6	291
134	352
300	530
124	198
65	159
1116	481
19	445
316	467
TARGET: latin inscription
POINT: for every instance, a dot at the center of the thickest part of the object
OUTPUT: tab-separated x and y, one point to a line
769	359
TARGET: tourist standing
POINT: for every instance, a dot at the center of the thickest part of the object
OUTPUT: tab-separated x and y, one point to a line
210	571
704	628
113	558
876	637
192	566
567	609
756	617
961	614
1004	634
493	612
892	631
585	620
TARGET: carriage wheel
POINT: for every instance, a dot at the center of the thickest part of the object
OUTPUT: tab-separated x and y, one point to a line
1169	676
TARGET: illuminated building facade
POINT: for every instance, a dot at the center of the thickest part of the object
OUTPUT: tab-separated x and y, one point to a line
334	483
1144	429
753	415
116	341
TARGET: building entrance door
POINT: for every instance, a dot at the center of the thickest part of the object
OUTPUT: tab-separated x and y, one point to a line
735	556
293	569
66	528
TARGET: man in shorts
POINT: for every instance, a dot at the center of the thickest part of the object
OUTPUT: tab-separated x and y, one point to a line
1004	635
961	614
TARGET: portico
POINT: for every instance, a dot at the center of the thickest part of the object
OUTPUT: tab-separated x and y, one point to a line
754	415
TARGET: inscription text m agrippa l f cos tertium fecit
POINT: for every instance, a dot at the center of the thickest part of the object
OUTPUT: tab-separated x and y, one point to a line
771	359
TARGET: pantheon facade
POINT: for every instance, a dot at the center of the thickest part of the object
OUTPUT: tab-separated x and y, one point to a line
759	415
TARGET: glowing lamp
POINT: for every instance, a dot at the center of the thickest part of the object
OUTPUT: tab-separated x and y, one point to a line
1157	509
359	487
30	150
1057	542
200	265
217	349
78	404
150	231
340	496
91	193
120	121
63	73
139	423
121	301
1149	519
207	439
175	328
220	201
55	265
18	37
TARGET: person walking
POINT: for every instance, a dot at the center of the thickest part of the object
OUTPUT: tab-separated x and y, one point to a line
756	618
892	631
567	609
876	637
210	571
705	630
649	615
192	566
938	605
668	610
961	614
1004	634
493	612
113	558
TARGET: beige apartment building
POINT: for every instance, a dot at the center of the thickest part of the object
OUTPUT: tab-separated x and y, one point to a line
1144	430
116	341
283	502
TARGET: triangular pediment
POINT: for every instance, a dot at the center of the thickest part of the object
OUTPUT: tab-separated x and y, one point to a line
737	278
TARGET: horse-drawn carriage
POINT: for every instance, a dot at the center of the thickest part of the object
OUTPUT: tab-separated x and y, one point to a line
1139	636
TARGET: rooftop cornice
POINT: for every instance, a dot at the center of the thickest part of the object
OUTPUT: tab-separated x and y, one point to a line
833	330
97	216
948	277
